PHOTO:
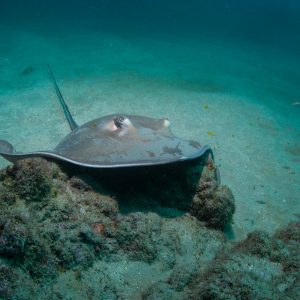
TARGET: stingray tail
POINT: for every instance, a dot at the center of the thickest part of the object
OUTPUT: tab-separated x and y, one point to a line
64	106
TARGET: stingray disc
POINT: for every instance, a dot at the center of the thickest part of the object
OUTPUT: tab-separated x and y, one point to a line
126	140
118	141
115	141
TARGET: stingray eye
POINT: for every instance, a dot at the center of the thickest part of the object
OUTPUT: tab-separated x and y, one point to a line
119	121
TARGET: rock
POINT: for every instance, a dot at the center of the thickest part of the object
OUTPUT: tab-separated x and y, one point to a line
257	268
30	179
213	203
6	278
7	196
13	237
239	277
69	240
79	184
257	243
135	235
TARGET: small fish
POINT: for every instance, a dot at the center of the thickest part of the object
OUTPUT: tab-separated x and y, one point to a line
205	106
286	167
296	103
27	71
261	202
211	133
250	221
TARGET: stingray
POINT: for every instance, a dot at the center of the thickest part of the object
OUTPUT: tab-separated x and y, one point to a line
115	141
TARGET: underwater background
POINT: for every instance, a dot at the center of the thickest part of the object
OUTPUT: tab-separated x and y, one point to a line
225	73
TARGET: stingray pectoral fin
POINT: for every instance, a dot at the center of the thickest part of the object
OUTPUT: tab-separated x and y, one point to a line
206	149
6	147
199	153
7	151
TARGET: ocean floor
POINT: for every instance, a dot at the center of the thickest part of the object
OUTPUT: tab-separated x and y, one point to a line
242	99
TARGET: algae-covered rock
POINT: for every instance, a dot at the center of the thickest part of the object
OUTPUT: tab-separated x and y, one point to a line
79	184
213	203
44	231
70	240
282	247
30	179
68	228
136	233
240	277
13	236
6	278
257	243
259	267
7	196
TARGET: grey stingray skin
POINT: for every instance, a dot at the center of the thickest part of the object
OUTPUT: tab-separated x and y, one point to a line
94	144
115	141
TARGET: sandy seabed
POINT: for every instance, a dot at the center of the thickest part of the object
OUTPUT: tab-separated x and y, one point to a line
242	99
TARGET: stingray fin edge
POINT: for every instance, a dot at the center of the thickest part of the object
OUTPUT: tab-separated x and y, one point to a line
6	147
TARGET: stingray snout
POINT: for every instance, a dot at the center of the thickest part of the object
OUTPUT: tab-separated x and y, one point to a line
166	122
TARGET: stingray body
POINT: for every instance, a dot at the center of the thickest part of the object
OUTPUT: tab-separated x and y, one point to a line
115	141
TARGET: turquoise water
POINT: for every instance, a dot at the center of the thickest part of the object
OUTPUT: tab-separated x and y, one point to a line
227	75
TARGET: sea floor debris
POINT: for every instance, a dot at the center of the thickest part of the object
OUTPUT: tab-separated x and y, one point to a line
68	235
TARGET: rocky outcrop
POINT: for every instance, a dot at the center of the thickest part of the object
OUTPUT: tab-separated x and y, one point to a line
213	203
77	236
